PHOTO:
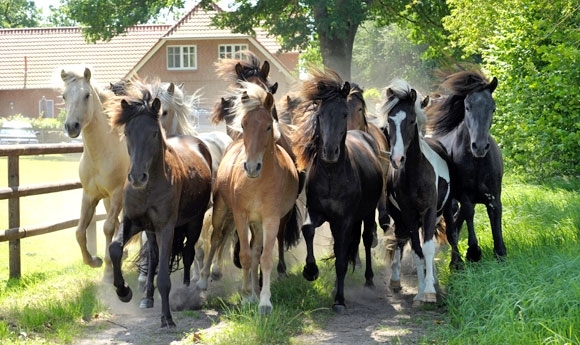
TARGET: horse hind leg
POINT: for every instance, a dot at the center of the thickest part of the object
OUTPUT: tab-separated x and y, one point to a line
150	250
494	212
467	212
370	227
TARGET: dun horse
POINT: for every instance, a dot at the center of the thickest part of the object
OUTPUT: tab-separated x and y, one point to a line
461	121
168	191
257	187
344	178
418	185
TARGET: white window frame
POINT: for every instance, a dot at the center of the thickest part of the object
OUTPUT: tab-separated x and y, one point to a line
184	52
232	51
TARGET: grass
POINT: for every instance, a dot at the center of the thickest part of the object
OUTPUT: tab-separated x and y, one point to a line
534	296
531	298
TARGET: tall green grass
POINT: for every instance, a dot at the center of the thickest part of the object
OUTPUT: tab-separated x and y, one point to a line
534	296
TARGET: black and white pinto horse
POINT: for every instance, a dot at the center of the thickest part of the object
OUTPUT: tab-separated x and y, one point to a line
418	185
461	120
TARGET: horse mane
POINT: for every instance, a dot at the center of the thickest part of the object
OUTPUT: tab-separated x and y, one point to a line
226	68
139	101
448	111
249	97
400	90
319	87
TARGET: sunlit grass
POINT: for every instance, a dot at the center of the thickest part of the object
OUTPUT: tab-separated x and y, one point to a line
534	296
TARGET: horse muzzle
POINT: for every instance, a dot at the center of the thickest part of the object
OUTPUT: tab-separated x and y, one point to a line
138	181
330	155
253	170
479	151
72	129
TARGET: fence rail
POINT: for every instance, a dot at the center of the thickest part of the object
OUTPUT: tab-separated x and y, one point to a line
14	192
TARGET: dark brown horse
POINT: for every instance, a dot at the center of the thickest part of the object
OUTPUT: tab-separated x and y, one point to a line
418	184
461	120
357	119
344	178
257	186
166	194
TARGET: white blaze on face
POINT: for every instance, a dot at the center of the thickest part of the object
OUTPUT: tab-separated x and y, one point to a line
398	151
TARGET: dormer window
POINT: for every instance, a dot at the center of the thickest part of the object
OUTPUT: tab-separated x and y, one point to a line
181	57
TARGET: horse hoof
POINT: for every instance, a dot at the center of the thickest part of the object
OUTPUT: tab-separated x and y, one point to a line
146	303
216	276
310	272
417	303
430	297
339	308
167	322
395	285
369	284
201	284
96	262
125	294
474	254
265	310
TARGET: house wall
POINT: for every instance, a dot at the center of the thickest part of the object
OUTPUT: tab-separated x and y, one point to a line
204	78
27	102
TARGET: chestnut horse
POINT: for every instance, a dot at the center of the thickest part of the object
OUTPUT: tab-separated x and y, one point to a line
167	193
257	187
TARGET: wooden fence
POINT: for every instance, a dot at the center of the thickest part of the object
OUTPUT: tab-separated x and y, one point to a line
14	192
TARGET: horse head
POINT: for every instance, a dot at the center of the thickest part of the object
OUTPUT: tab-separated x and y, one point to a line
479	109
403	121
253	109
81	100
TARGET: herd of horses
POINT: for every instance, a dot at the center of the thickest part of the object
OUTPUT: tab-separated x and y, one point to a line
194	194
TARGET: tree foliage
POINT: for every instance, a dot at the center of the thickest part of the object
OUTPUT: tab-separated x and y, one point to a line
533	47
18	14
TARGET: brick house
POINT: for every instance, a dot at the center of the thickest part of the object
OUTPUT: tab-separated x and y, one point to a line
31	60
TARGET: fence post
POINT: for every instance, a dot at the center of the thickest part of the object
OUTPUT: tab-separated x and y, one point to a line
14	217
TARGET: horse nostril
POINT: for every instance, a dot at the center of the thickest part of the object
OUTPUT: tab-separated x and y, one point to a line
474	146
487	146
245	166
259	167
336	151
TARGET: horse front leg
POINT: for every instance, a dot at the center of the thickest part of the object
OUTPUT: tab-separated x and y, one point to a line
467	211
270	229
312	221
126	230
494	212
341	254
243	230
429	223
163	279
452	237
88	206
152	261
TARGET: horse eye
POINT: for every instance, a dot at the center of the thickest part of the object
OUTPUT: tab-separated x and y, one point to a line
164	114
87	96
269	128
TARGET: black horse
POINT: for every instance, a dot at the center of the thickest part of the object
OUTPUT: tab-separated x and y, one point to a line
461	119
343	176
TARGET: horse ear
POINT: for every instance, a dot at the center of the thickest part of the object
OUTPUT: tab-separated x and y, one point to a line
345	89
87	74
274	88
265	69
269	101
156	105
171	89
413	95
389	93
124	104
492	85
425	102
224	102
63	75
240	71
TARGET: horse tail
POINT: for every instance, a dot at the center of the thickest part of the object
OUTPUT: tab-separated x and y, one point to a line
178	247
441	232
292	230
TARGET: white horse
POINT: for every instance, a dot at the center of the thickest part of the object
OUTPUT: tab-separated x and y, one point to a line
104	162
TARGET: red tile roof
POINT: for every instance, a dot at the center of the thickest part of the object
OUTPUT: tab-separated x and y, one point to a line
30	57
